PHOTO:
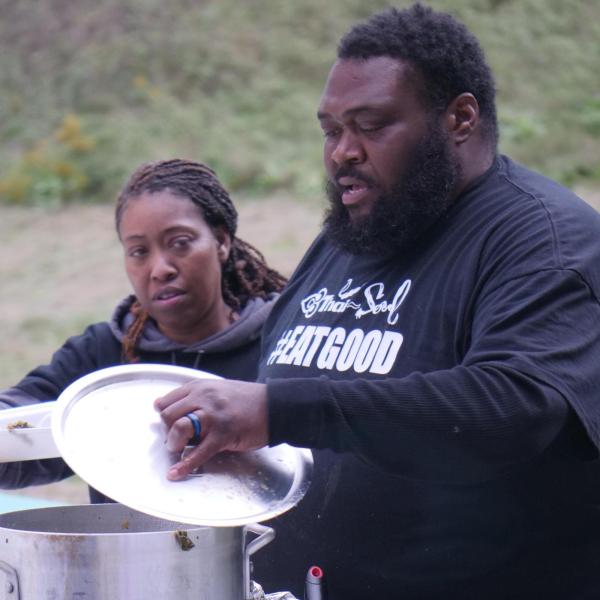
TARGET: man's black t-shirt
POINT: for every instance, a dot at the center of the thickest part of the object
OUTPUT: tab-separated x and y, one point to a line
452	396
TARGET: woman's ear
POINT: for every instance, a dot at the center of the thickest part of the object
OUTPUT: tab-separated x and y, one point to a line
223	240
462	117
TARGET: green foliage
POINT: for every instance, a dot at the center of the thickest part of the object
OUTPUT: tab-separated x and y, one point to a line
589	115
53	170
236	84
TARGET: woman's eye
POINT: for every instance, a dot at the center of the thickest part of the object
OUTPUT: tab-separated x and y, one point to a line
180	243
136	252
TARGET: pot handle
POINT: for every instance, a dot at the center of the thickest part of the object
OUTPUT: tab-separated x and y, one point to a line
10	586
265	535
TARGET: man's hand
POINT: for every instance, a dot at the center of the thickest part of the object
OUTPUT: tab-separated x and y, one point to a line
232	414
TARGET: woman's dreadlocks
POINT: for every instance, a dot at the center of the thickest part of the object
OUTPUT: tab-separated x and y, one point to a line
245	274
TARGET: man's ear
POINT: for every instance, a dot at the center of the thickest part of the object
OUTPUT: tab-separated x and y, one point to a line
223	240
462	117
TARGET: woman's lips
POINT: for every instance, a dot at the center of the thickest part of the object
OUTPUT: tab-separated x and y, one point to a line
168	296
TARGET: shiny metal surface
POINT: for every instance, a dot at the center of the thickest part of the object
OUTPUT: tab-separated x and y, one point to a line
106	429
35	441
110	551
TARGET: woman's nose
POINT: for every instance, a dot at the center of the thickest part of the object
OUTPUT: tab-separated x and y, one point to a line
162	268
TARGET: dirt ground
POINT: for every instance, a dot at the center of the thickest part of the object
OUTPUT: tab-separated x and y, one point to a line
62	269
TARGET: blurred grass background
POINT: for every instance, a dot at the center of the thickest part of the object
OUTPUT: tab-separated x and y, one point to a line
89	89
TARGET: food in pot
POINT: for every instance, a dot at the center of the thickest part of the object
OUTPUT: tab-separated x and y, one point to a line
183	540
18	425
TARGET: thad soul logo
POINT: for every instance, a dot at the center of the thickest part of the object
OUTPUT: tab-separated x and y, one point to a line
335	348
373	301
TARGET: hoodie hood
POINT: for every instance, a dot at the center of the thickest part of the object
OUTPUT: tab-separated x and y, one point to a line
246	329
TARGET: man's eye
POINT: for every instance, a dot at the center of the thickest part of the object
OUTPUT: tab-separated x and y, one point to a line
330	133
369	127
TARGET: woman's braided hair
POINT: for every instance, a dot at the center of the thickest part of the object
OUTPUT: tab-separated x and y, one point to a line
245	274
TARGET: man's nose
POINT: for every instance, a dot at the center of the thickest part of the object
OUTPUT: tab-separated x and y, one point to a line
348	150
163	269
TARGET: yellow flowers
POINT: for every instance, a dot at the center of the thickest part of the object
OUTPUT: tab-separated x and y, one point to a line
140	82
142	85
53	169
71	135
15	187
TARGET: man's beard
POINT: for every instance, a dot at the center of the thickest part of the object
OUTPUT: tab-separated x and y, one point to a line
417	200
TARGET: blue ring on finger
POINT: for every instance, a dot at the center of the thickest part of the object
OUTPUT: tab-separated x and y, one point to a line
195	439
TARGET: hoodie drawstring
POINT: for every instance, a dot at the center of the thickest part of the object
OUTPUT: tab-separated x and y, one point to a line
196	360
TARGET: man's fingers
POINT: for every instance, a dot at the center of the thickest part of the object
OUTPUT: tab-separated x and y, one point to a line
194	459
179	402
183	430
232	415
173	396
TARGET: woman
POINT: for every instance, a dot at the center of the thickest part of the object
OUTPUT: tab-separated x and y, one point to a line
201	296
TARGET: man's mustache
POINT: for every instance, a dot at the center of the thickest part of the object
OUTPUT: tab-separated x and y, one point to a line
354	173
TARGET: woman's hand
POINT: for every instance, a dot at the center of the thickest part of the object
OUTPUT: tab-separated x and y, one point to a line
232	414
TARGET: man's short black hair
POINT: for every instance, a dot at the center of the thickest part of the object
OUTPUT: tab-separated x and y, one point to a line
446	55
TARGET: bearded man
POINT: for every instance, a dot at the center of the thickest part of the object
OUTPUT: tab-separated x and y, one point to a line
438	346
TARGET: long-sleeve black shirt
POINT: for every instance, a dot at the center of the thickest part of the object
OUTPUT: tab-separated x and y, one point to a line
452	396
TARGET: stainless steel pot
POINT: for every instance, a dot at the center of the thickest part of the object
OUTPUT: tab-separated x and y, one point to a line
111	552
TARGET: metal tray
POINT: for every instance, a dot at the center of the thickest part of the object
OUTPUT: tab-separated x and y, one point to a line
107	430
32	442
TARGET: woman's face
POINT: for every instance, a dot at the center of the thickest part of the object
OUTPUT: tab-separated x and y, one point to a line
173	260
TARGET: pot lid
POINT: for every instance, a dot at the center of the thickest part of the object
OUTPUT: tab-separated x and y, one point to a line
108	432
